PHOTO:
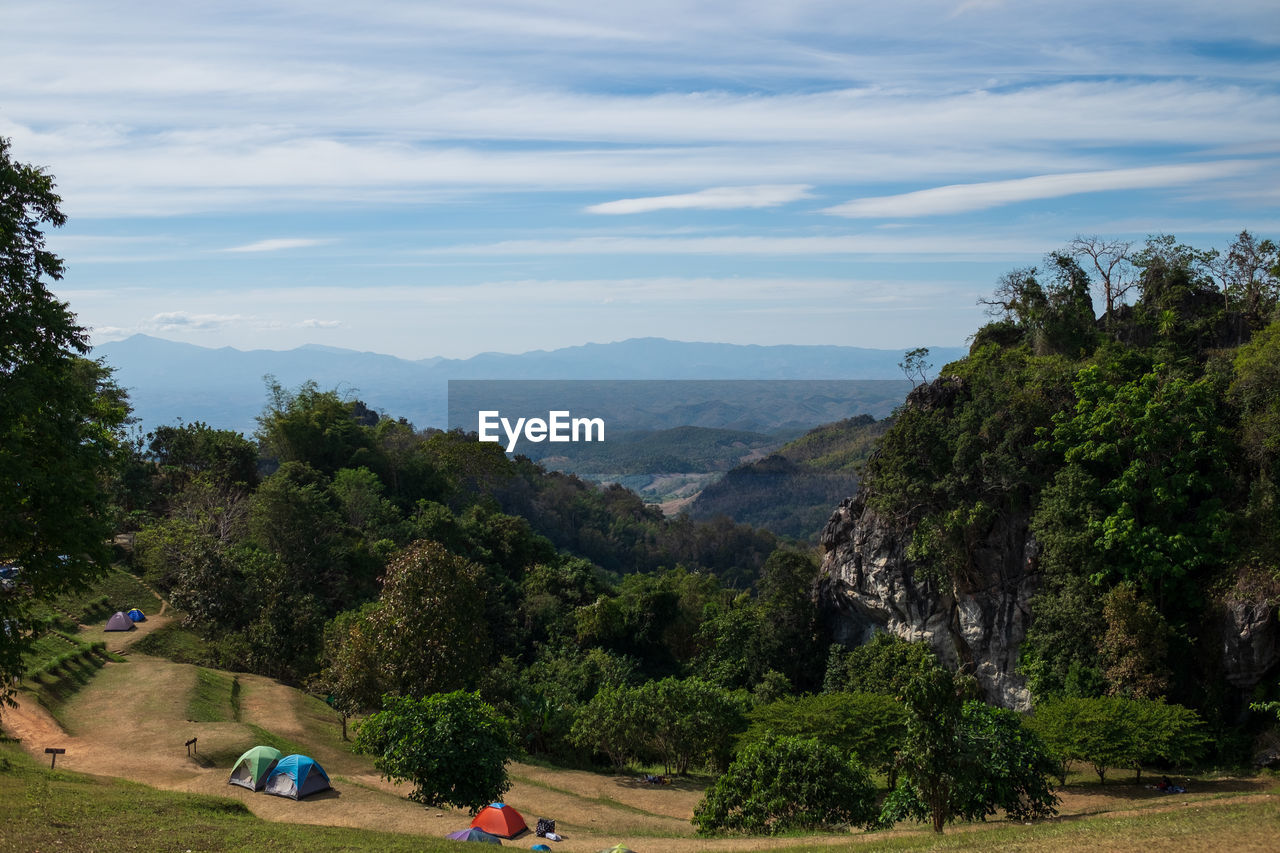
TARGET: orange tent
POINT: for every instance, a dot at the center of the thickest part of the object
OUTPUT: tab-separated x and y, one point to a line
501	820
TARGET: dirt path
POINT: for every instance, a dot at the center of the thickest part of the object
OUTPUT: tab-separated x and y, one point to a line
35	728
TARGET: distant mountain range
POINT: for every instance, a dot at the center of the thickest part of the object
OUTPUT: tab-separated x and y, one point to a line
224	387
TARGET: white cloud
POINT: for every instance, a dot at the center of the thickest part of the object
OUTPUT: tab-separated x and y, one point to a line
319	324
962	198
277	244
715	198
879	243
170	321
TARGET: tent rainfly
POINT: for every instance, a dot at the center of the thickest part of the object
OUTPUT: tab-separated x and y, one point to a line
473	834
252	768
297	776
119	622
501	820
136	615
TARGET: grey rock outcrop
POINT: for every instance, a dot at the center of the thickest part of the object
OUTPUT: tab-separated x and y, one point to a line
1250	641
867	584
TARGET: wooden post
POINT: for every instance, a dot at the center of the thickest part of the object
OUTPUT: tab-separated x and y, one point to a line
189	744
53	755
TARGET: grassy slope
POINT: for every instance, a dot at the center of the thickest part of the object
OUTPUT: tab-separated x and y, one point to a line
43	810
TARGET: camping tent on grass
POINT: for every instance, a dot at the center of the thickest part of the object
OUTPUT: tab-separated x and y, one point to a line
119	622
297	776
252	768
501	820
473	834
136	615
618	849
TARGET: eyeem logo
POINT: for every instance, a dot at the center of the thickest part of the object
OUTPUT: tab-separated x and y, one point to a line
558	426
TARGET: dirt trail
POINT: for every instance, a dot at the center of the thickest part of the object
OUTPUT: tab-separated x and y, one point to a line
35	728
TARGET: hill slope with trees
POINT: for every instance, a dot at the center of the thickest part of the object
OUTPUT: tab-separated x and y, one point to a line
1089	507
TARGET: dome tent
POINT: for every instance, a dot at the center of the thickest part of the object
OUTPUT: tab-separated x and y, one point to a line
295	777
119	622
501	820
136	615
252	769
473	834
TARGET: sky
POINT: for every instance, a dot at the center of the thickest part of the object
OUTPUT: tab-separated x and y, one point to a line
443	179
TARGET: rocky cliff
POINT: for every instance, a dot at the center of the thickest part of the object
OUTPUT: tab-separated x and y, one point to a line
867	584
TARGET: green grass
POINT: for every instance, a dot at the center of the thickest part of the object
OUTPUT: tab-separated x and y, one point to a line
1237	826
55	810
175	643
116	590
215	698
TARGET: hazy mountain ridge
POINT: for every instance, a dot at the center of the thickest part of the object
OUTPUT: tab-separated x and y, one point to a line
224	387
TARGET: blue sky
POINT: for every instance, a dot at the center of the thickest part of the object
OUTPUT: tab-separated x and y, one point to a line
427	179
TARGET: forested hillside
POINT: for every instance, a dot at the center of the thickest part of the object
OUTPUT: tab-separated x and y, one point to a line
791	492
1136	456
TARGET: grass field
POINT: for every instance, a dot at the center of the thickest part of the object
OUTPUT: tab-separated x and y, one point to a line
127	782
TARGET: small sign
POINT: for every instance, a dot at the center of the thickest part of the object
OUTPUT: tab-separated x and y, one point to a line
53	753
190	744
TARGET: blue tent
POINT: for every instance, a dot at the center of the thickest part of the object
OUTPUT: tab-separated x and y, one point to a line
297	776
137	615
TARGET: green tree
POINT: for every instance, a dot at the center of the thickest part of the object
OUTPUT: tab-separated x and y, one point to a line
612	724
1114	731
187	450
350	680
688	721
452	747
428	628
1059	656
883	665
931	760
1140	491
965	759
787	784
61	420
869	726
1133	650
315	427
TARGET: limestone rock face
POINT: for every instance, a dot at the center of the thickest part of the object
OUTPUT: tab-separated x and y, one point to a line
867	584
1250	645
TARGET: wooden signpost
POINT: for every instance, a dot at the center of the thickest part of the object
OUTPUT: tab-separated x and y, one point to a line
53	755
190	744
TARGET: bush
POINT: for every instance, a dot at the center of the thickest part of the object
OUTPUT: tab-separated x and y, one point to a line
781	784
1116	732
453	747
868	725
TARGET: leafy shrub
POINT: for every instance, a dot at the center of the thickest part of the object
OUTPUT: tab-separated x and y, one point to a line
453	748
781	784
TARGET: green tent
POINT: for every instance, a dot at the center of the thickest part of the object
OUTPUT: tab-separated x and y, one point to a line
251	769
618	849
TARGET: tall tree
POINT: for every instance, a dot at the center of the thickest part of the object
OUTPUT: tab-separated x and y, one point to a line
60	418
1110	260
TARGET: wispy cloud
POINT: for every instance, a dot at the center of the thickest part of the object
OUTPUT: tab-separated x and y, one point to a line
880	243
962	198
277	244
716	198
170	321
319	324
